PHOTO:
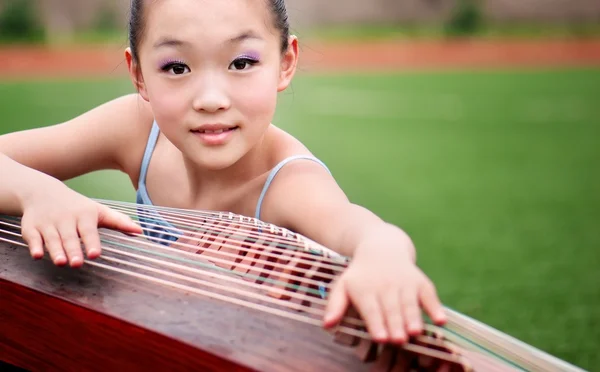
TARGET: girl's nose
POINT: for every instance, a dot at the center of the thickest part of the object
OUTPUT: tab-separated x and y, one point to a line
211	96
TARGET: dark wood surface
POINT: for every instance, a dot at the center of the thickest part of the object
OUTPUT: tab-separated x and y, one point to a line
51	334
58	318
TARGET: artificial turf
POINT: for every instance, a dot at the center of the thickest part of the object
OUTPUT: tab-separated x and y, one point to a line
494	174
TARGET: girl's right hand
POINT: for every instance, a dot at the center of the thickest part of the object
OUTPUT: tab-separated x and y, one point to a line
59	217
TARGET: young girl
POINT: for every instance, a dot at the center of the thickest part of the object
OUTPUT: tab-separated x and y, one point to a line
198	134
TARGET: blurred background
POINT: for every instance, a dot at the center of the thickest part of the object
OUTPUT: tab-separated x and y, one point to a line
474	125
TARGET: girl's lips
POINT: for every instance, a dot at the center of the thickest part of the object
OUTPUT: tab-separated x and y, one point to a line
215	137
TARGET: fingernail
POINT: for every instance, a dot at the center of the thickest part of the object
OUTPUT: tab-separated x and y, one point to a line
328	318
397	334
415	327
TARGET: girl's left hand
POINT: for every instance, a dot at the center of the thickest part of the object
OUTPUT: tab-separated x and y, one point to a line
387	289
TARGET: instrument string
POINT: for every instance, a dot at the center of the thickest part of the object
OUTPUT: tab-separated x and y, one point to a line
238	246
203	227
249	266
303	282
253	295
197	261
220	277
486	345
251	226
462	329
308	320
248	223
303	298
197	281
234	244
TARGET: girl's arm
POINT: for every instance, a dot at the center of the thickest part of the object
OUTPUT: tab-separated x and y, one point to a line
382	280
34	162
110	136
306	199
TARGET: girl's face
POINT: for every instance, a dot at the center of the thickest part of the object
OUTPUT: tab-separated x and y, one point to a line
211	70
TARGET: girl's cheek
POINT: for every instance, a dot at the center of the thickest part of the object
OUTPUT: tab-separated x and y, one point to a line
259	95
166	101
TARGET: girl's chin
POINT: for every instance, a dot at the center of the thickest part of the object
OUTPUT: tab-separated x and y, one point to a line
215	159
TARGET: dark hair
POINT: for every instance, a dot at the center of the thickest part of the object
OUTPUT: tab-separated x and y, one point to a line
136	24
281	21
136	27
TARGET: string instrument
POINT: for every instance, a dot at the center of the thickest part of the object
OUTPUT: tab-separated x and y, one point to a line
227	293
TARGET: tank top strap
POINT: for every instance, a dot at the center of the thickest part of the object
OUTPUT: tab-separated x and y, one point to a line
156	228
276	170
152	139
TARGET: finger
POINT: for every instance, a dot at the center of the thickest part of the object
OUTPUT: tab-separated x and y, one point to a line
112	219
432	304
34	240
88	231
71	243
54	246
371	312
336	305
411	312
392	308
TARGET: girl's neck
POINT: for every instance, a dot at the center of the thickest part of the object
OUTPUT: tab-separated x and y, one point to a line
204	181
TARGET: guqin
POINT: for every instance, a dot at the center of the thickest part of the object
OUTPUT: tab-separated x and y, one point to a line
230	294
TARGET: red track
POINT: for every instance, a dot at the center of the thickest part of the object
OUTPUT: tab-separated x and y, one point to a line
32	62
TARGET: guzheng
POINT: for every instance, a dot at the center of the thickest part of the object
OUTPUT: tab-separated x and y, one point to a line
231	293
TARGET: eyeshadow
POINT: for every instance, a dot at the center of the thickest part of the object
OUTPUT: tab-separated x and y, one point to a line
250	55
169	61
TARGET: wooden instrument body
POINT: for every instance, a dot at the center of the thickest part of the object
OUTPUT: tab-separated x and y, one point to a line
125	317
88	319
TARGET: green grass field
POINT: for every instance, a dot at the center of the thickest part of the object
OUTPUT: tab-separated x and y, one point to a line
494	174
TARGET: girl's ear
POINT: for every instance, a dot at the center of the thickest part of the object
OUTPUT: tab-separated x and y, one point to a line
135	73
289	61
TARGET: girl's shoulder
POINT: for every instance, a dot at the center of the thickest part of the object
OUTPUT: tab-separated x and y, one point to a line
296	174
284	145
292	159
137	121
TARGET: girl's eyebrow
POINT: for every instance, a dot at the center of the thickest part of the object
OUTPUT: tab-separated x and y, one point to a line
249	34
168	41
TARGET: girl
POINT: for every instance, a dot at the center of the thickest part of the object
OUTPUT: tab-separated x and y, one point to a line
198	134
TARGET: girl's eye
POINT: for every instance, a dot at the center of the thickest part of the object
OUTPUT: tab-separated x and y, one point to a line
176	68
241	63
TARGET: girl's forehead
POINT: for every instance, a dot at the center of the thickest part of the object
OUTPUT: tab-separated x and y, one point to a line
208	16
